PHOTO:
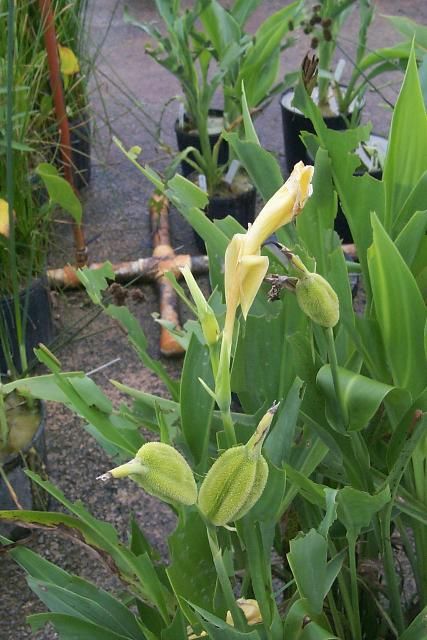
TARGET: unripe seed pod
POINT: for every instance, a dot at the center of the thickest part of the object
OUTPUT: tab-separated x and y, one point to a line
161	471
237	479
317	299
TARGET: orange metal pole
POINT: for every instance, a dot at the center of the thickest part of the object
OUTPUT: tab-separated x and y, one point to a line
51	46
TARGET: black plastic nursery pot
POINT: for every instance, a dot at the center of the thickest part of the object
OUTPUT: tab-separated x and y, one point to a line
294	122
240	204
38	325
186	137
80	138
31	455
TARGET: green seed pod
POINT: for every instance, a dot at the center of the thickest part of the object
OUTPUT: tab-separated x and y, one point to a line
236	480
317	299
161	471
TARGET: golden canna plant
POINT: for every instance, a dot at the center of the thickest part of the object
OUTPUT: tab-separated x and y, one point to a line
304	491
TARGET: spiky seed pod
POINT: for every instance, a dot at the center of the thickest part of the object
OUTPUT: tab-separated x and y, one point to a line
161	471
236	480
232	486
317	299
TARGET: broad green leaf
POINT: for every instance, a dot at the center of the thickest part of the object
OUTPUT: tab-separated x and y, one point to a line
72	628
191	572
242	9
402	170
311	491
308	559
102	537
186	193
410	238
80	599
280	440
400	311
196	405
60	191
295	629
357	508
358	195
362	396
410	29
250	132
414	202
258	342
221	27
219	630
317	218
263	169
417	630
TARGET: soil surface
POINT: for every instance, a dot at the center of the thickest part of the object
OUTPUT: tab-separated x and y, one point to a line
128	94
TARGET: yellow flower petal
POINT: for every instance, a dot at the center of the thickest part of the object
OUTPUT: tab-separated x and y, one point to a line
251	610
68	61
4	218
251	273
282	207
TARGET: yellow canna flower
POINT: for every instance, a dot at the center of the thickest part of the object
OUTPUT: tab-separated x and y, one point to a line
251	610
244	267
68	60
282	208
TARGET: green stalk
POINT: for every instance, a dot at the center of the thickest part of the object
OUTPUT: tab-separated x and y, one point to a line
224	580
228	425
4	429
10	182
259	573
333	361
393	591
407	543
357	631
339	629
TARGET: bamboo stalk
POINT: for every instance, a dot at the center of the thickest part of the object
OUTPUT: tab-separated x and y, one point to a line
51	46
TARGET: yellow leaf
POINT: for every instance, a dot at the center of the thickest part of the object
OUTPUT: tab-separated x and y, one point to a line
68	60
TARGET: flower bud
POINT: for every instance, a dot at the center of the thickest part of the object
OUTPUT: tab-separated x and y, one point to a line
205	313
317	299
236	480
161	471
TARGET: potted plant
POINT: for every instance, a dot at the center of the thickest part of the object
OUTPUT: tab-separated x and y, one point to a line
195	38
287	513
340	104
24	301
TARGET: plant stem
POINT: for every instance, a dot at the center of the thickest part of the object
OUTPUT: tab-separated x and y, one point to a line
339	629
393	591
224	580
357	631
10	182
4	429
333	361
227	422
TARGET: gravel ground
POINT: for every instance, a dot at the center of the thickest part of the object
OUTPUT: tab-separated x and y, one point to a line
117	228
